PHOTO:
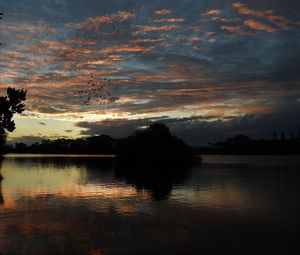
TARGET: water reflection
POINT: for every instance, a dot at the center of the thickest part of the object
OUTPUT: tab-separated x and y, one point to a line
91	206
58	174
1	178
158	179
1	195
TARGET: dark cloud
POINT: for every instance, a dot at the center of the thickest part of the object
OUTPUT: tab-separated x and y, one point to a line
116	128
200	130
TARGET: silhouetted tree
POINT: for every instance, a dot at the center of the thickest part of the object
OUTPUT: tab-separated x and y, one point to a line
153	144
10	105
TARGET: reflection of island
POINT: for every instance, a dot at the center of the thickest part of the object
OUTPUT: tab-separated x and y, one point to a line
159	180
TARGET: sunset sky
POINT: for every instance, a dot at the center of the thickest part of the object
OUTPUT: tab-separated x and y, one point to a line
208	69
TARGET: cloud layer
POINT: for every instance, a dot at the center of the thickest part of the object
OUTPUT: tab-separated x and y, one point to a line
164	59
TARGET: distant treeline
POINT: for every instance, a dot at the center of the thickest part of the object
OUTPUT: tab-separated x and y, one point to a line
242	144
144	144
153	144
92	145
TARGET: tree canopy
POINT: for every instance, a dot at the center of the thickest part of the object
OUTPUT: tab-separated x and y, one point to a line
10	104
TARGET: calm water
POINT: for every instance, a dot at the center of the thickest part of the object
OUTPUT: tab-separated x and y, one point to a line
227	205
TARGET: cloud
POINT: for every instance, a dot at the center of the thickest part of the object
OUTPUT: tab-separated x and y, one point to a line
199	130
115	127
212	12
144	40
171	61
231	29
26	27
259	26
123	127
169	20
146	28
95	23
269	15
162	12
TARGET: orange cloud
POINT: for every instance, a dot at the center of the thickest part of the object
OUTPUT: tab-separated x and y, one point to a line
212	12
163	12
144	40
31	28
94	23
269	15
171	20
259	26
231	29
125	48
143	28
225	20
81	41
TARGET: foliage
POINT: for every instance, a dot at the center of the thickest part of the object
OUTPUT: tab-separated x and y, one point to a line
91	145
153	144
10	104
244	145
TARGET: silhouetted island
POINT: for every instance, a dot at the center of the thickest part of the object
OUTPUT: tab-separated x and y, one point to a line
153	144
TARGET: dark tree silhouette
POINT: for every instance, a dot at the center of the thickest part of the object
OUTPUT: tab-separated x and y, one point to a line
153	144
10	104
244	145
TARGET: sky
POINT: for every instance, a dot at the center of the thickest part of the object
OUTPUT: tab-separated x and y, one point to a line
208	69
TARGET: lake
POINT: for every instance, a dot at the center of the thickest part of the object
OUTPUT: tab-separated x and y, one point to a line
87	205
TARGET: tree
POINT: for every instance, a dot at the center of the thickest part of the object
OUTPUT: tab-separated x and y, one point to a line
10	104
154	144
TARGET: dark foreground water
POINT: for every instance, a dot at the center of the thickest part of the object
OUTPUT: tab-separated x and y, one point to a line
227	205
